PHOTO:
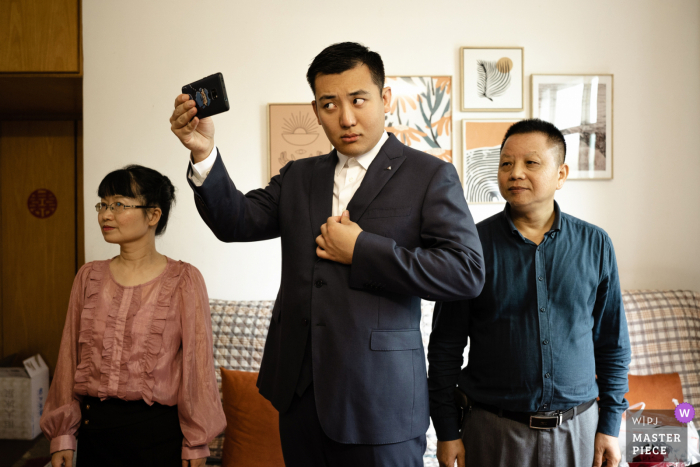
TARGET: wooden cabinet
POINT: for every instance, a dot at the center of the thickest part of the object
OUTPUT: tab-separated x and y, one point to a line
40	170
41	59
40	36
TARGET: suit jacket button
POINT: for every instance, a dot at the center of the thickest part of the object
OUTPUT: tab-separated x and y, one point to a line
319	284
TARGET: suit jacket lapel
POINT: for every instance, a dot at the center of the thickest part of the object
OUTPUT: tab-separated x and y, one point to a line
321	194
391	155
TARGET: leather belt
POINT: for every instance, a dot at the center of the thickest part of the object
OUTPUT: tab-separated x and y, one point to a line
537	420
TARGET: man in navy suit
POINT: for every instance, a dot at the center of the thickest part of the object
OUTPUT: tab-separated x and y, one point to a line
367	231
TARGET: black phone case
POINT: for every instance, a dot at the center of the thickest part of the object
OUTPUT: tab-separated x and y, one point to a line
209	95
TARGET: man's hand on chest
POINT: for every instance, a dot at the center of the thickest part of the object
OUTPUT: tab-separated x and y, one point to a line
337	239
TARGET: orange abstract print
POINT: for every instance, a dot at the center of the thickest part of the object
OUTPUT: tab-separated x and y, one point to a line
421	113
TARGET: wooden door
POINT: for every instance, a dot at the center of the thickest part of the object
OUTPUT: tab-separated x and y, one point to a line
38	202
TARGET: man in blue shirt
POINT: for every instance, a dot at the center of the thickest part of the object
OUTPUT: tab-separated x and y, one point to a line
548	322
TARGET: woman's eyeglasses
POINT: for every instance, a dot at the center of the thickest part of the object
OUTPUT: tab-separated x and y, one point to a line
117	207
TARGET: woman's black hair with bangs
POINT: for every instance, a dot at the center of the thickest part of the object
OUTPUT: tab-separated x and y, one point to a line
147	185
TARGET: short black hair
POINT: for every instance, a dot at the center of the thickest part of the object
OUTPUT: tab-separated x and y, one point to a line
136	181
535	125
345	56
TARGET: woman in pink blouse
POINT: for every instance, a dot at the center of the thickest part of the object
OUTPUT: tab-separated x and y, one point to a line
135	378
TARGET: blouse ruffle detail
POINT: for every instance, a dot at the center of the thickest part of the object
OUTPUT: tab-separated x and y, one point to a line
108	344
155	339
87	322
126	345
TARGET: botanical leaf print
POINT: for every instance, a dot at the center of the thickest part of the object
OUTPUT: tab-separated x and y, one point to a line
493	78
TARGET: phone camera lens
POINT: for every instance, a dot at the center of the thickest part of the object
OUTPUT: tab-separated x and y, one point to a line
213	94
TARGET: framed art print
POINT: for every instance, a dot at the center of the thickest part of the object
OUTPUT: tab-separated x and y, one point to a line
421	113
581	107
294	133
492	79
481	151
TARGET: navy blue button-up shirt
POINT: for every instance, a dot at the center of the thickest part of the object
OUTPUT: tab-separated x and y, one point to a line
548	320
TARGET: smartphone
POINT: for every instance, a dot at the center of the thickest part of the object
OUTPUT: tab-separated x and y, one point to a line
209	95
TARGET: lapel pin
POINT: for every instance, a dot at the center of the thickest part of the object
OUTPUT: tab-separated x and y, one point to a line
388	168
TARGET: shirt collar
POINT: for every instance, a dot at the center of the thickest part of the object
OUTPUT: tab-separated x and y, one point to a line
556	225
365	159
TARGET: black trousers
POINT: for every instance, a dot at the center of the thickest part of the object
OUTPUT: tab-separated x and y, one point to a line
304	444
117	433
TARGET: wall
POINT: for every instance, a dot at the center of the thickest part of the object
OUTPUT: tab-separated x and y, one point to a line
138	54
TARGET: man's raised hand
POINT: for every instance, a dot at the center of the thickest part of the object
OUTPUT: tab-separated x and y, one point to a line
195	134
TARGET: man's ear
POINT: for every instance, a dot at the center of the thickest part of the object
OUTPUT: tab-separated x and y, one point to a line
563	175
313	104
386	97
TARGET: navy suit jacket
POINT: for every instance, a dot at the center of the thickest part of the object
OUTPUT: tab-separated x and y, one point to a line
418	241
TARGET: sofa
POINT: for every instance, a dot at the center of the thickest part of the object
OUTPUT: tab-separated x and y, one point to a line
664	327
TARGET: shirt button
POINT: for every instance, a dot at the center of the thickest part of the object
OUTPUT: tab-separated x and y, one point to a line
539	278
538	248
543	309
547	375
305	321
87	421
545	342
87	406
544	406
319	284
352	179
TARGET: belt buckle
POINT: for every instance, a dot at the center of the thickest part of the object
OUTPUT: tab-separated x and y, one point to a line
545	422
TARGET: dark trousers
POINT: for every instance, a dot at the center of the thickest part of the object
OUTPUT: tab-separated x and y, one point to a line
304	444
117	433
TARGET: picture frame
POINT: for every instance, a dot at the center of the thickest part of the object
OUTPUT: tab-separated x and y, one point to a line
421	113
293	133
481	152
581	106
493	79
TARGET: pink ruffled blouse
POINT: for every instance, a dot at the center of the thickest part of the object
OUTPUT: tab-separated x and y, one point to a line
151	341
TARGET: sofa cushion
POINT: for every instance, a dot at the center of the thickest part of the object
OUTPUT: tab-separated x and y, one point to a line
252	431
656	391
239	329
664	327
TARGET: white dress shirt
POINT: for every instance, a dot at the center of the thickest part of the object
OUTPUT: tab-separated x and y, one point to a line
349	173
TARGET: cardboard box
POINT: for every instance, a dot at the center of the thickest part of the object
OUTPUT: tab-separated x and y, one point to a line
23	392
